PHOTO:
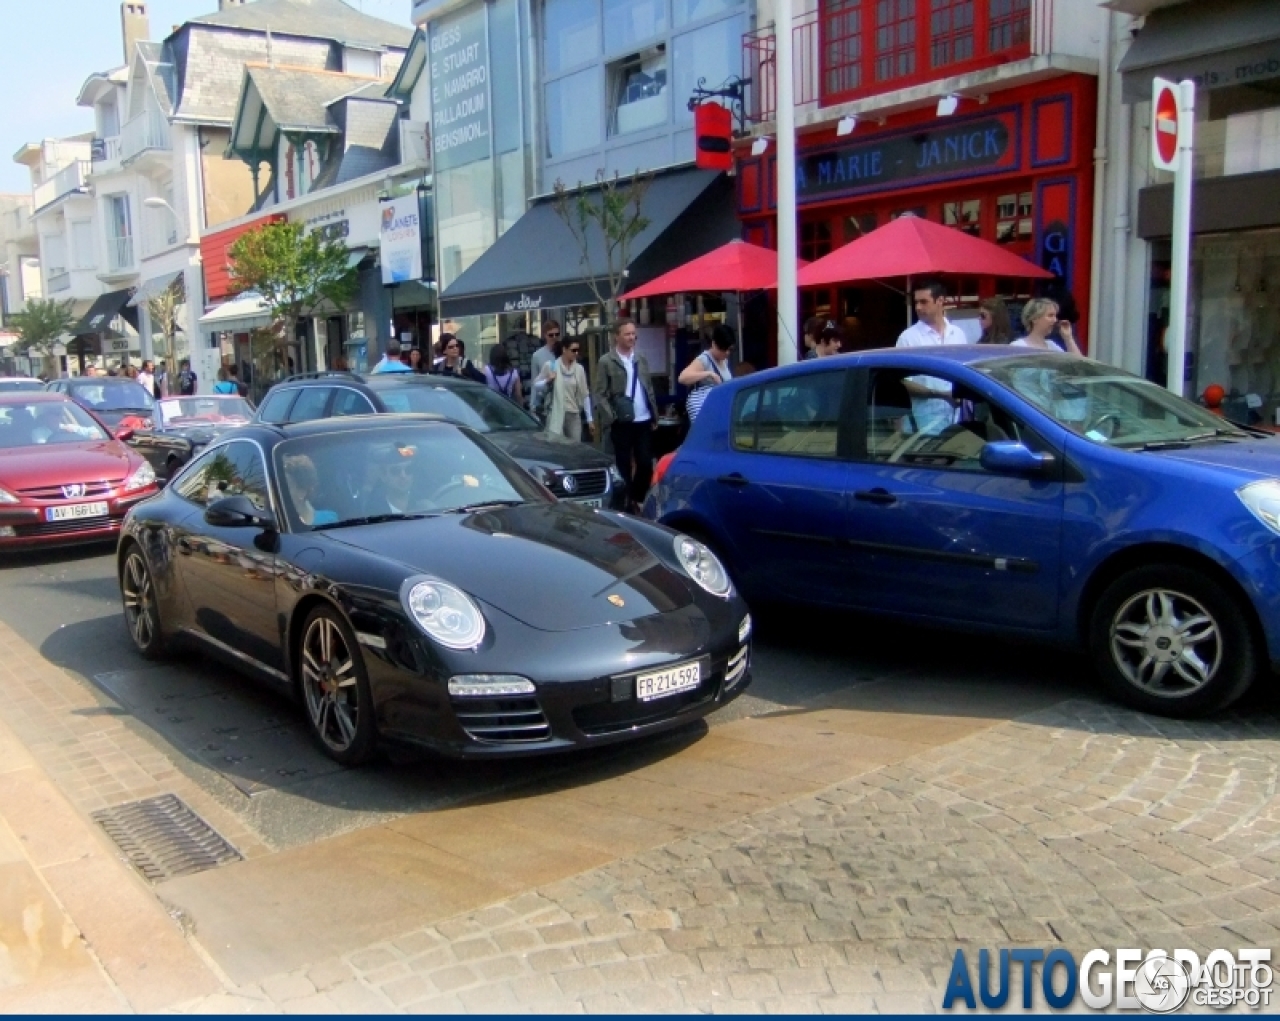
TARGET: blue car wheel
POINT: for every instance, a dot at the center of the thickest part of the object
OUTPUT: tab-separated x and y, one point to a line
1171	640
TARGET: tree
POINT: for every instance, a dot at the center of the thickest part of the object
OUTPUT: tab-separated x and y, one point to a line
295	272
605	220
41	325
164	317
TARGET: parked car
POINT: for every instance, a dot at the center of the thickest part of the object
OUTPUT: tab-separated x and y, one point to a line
415	585
19	384
571	470
63	478
988	488
182	426
120	403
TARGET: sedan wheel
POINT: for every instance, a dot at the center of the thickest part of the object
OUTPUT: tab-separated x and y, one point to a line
336	689
1171	640
140	610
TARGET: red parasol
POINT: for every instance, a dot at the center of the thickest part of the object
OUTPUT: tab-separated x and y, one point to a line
913	247
737	266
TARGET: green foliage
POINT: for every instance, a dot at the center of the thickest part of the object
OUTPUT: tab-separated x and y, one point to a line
606	219
164	317
294	272
42	323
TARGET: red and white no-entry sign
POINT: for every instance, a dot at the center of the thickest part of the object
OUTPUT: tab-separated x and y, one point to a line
1164	124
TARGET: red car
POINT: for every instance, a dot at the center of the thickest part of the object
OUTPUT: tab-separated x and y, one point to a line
63	477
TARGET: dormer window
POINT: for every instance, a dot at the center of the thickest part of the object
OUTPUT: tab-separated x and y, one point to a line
362	62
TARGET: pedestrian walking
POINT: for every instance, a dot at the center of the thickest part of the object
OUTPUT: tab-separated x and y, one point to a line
147	377
565	393
453	360
626	405
500	375
391	359
543	357
709	369
812	327
930	396
187	379
830	340
1040	320
997	328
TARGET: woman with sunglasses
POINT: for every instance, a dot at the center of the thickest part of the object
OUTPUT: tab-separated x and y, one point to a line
453	360
565	381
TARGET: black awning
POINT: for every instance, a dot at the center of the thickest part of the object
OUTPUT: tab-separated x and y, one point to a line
538	264
104	309
1228	42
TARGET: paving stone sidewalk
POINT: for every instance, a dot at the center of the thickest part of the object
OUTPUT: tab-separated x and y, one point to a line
1079	826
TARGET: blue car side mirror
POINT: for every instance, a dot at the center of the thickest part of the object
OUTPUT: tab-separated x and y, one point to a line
1013	459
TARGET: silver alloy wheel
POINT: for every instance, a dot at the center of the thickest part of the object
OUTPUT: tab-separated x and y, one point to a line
329	684
1166	643
139	600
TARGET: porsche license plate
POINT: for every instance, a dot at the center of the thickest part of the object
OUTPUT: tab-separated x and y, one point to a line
671	681
76	511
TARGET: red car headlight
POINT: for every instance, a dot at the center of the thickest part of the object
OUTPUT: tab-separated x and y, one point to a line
143	476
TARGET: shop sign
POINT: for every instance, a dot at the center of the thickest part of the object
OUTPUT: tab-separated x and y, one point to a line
459	62
1055	249
984	144
525	303
400	240
331	226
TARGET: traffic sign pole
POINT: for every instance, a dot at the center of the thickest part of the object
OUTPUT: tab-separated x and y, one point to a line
1180	269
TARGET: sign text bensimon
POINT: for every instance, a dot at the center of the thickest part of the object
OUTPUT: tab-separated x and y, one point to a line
400	240
460	89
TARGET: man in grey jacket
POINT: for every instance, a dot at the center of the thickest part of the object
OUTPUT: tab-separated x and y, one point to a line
622	383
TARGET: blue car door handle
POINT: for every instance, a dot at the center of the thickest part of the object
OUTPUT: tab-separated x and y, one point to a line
877	495
734	479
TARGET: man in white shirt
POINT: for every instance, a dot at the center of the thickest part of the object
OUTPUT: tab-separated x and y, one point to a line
930	396
622	385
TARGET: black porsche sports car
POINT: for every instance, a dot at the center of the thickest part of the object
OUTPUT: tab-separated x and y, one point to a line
183	425
413	584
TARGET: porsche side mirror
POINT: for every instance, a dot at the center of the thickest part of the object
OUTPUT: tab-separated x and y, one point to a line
238	512
124	434
1010	458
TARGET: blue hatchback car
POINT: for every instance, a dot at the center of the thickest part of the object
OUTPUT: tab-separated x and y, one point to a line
992	488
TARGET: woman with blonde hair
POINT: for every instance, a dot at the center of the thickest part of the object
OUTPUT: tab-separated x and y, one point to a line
997	328
1040	319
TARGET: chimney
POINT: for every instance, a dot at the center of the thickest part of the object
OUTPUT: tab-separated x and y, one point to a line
135	26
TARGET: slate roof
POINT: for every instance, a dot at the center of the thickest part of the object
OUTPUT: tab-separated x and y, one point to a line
369	142
322	19
298	99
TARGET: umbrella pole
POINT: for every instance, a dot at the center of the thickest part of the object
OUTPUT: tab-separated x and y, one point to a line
910	295
741	349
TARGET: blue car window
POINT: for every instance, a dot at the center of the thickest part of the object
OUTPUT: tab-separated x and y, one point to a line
799	415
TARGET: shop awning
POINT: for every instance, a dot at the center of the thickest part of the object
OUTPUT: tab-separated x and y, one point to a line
1230	42
538	264
153	288
239	315
104	309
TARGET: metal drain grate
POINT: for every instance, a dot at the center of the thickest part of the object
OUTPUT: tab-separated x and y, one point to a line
162	838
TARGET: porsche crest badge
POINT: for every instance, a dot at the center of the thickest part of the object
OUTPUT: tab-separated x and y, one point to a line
617	600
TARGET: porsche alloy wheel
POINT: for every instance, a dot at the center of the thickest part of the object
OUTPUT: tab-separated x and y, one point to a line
1171	640
335	689
140	611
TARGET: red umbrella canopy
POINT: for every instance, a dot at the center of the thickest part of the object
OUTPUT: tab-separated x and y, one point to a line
914	247
737	266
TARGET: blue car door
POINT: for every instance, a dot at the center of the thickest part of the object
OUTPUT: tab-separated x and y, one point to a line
780	488
933	533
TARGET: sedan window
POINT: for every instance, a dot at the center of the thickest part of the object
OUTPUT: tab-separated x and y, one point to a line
276	407
350	402
233	469
37	423
310	404
799	415
474	406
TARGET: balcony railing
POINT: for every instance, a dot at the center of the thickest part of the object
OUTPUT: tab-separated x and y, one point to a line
413	142
119	254
848	49
59	280
70	178
148	131
106	150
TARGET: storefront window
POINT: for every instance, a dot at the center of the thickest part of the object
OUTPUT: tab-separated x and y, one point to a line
815	240
630	23
573	112
895	39
966	215
572	30
465	216
713	52
1237	132
638	92
1013	217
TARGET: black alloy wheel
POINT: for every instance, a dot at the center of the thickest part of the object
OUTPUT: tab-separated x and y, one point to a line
1173	641
335	688
141	612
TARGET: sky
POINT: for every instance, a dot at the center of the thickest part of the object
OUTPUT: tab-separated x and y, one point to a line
52	46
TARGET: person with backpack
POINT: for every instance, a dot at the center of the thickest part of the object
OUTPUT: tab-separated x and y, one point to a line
502	376
187	379
229	383
711	368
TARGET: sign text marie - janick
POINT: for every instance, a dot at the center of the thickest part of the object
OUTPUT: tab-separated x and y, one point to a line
460	89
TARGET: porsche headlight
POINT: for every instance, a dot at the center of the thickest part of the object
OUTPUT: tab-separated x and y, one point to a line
7	497
446	613
703	566
1263	501
142	477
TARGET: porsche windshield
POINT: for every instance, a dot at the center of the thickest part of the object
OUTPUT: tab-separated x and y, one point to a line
1108	405
404	471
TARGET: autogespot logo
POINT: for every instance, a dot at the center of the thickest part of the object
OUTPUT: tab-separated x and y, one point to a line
1156	981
